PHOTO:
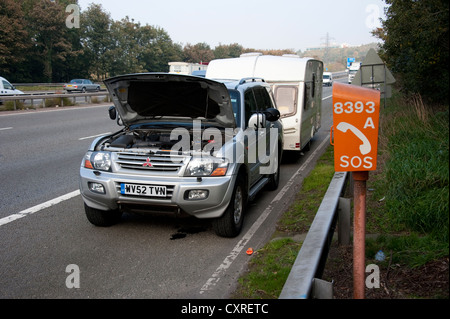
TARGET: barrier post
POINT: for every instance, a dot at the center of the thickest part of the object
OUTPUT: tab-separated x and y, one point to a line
359	233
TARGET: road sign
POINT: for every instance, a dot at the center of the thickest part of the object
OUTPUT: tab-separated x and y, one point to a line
373	73
350	61
355	121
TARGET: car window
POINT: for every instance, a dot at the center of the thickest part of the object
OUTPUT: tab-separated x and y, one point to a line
262	99
7	85
236	102
250	105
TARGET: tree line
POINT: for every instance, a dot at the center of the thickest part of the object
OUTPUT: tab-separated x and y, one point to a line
36	46
415	46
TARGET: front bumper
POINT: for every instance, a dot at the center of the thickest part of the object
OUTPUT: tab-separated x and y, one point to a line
219	193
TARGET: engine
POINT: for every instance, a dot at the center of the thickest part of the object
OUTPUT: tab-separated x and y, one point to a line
157	140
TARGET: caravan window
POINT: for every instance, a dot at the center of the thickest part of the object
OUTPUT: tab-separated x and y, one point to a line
310	93
286	99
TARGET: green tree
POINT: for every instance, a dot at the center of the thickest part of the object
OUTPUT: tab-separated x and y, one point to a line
158	49
416	43
49	35
125	49
14	39
224	51
200	52
96	39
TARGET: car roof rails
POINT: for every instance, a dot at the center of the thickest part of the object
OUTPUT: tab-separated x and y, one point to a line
251	79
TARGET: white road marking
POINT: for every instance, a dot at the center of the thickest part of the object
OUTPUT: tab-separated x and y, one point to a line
38	208
326	98
220	271
88	137
5	128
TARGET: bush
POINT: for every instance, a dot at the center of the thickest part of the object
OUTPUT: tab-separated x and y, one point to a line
9	106
417	172
57	102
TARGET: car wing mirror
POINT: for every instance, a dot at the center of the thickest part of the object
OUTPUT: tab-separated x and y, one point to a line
112	113
272	114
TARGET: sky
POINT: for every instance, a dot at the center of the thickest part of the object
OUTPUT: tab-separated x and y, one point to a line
258	24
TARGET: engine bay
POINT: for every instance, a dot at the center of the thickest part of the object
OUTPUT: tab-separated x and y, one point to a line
160	140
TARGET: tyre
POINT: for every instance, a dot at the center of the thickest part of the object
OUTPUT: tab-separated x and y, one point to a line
274	179
307	147
102	218
230	223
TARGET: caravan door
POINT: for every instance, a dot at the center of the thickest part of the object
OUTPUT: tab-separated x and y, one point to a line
312	101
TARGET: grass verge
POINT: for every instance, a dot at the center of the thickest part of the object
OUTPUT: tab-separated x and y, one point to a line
270	266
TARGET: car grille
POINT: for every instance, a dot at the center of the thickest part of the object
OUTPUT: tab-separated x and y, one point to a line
150	163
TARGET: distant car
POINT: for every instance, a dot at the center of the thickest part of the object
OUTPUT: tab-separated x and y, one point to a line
201	73
327	79
81	85
7	88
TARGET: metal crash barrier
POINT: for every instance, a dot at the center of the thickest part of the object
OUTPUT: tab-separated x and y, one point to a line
42	97
304	280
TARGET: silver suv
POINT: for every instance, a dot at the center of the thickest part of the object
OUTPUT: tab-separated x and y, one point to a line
189	145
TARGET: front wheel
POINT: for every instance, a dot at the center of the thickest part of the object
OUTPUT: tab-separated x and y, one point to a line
274	179
102	218
230	223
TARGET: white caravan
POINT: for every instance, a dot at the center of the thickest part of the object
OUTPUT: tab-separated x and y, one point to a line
296	85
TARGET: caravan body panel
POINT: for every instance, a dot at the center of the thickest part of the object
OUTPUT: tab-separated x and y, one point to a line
296	85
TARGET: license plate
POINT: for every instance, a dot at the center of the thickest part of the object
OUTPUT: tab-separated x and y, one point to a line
143	190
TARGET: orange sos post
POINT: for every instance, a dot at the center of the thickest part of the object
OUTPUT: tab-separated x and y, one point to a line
356	112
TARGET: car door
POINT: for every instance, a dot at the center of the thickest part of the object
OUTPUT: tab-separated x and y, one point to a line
87	85
263	102
251	145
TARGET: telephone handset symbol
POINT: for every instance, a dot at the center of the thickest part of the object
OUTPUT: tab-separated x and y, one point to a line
365	147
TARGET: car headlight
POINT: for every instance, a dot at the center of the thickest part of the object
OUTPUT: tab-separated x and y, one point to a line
98	160
206	166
